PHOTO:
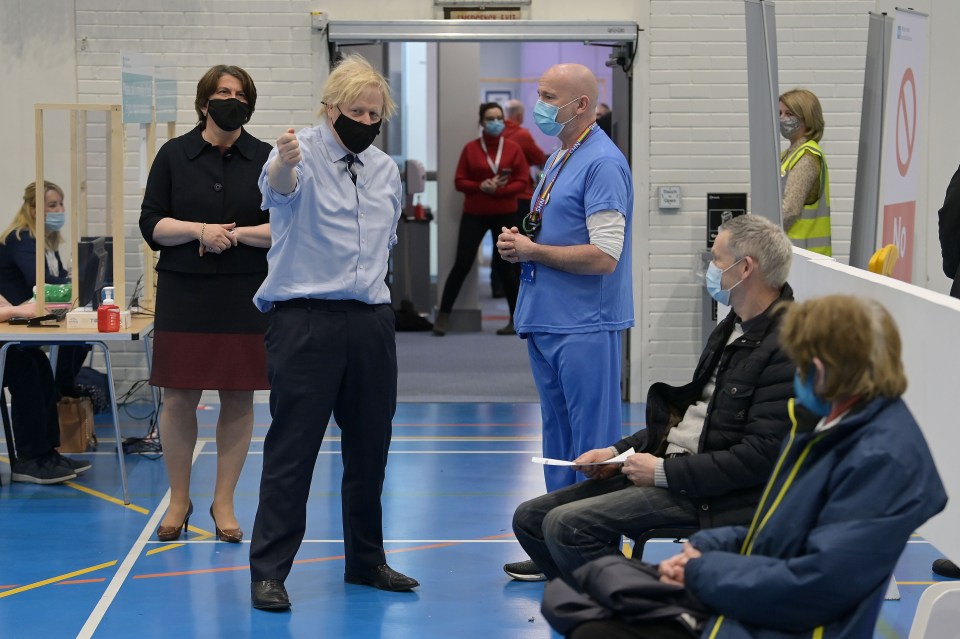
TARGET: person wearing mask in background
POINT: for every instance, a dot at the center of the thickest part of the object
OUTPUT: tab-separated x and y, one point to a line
334	205
949	230
491	174
18	269
708	446
605	118
853	481
33	391
515	132
803	173
201	210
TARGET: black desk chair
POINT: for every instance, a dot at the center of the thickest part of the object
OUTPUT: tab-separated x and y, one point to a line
7	430
676	533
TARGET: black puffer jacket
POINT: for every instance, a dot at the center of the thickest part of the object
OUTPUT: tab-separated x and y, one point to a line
745	422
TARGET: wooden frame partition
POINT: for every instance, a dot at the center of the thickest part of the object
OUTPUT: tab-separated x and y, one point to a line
78	189
149	277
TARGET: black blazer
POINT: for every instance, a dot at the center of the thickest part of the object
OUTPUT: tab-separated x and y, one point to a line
190	180
949	217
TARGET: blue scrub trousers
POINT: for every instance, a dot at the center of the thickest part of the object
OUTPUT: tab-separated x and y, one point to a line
578	380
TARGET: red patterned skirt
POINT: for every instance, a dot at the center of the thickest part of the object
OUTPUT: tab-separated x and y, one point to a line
208	335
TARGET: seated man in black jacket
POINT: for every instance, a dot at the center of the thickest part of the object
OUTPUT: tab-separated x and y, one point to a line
708	447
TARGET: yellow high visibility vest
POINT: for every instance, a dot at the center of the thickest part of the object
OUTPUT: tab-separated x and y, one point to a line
812	230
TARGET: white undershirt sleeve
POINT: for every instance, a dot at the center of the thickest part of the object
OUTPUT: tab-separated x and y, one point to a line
606	229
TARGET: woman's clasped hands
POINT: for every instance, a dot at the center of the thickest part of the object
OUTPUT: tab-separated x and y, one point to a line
217	238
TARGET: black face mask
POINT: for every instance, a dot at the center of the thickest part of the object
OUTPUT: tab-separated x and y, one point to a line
229	114
356	136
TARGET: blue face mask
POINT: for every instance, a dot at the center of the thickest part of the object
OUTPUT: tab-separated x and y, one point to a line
54	221
493	127
545	115
714	285
806	397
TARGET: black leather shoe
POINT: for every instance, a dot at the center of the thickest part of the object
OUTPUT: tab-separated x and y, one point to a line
946	568
385	578
269	595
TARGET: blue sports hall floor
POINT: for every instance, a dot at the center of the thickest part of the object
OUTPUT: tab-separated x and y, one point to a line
76	562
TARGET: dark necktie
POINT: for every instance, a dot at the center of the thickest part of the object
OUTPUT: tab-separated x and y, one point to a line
350	158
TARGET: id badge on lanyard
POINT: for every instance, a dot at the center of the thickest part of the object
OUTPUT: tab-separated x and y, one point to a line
528	272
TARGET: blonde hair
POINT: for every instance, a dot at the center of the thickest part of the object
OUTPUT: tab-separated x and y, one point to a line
26	217
805	105
855	338
352	76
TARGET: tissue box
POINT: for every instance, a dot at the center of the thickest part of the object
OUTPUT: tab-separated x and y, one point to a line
88	319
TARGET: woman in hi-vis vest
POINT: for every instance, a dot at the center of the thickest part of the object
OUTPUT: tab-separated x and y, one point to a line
803	173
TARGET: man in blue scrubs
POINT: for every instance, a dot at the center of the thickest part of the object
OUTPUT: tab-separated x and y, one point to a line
576	291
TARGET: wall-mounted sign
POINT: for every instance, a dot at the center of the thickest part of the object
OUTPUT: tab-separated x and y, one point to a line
136	82
482	13
722	207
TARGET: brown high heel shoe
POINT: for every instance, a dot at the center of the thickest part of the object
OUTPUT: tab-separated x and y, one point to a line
231	535
172	533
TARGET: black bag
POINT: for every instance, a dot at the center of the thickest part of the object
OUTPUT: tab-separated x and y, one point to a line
616	587
93	384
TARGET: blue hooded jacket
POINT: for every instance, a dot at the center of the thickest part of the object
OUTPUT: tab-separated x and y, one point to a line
831	525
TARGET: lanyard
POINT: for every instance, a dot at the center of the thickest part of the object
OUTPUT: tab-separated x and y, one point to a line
532	222
494	165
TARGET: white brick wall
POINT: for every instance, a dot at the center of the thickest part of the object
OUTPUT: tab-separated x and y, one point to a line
271	39
696	102
699	139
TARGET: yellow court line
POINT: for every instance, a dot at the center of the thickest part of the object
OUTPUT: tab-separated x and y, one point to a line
53	580
163	549
106	497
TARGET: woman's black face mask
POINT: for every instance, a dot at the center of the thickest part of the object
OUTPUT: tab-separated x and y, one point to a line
229	114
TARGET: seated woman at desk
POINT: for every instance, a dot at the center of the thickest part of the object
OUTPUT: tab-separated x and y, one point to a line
33	392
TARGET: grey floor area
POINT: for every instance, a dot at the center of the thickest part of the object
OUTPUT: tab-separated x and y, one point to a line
466	367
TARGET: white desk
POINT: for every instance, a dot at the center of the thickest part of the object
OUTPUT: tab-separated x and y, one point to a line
60	335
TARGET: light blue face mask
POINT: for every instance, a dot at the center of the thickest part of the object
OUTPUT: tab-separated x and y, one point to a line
545	115
54	221
806	397
715	287
493	127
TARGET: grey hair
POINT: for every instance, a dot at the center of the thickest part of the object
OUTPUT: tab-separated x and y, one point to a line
765	242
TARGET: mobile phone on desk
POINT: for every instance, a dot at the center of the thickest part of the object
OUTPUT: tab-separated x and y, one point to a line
19	321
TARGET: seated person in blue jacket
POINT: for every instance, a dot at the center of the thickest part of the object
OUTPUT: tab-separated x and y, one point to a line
708	446
854	480
33	392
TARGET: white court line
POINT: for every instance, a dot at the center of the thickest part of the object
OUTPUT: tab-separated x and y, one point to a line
93	621
510	540
418	452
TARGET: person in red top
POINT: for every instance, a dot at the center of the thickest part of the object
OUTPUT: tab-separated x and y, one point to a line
491	174
516	132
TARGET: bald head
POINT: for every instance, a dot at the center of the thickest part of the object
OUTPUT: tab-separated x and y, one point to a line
576	79
573	89
513	110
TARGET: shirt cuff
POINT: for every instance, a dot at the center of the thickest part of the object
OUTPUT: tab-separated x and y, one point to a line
659	475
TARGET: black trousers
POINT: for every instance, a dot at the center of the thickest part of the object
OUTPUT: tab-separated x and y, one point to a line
326	357
33	401
472	230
